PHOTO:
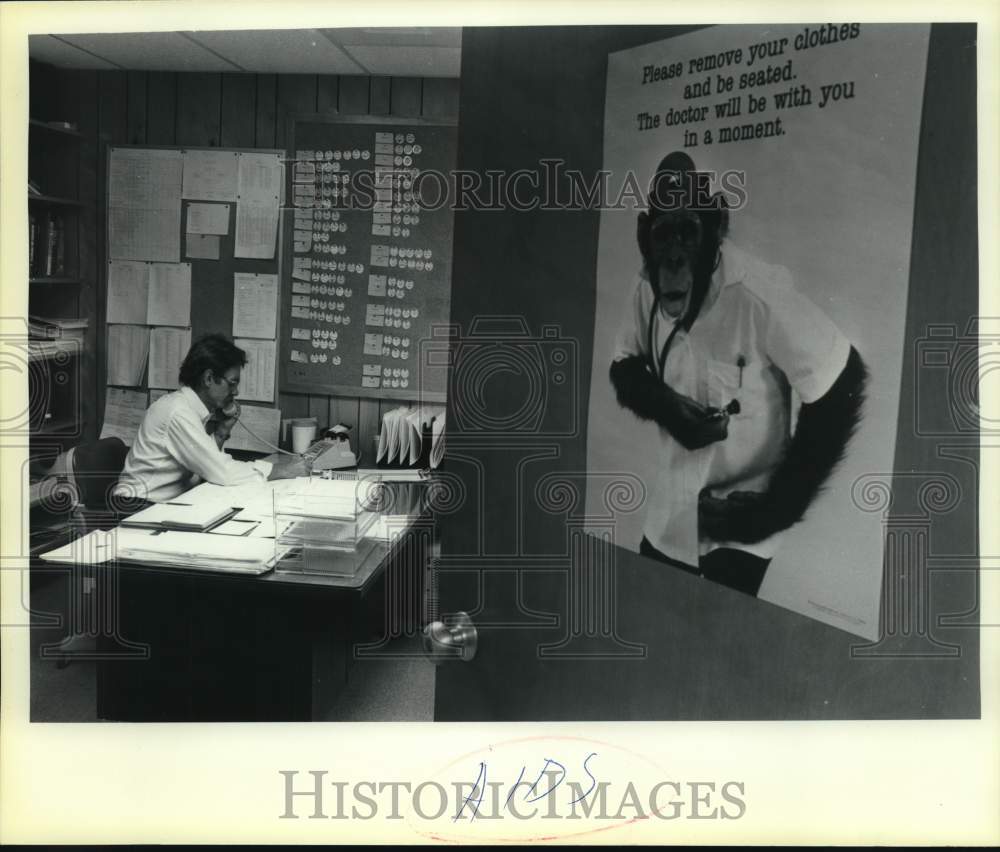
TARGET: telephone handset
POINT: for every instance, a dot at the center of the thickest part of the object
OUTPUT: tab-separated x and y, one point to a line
220	416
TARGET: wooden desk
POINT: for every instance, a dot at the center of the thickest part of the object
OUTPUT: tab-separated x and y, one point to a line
672	646
191	645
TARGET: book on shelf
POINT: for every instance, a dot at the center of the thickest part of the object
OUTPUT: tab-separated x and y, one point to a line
40	350
47	328
55	254
32	243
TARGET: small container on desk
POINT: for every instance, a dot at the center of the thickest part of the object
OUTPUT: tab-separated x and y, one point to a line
324	522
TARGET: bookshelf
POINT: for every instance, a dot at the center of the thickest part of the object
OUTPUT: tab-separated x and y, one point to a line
57	348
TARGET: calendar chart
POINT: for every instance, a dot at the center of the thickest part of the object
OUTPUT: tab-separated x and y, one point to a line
367	289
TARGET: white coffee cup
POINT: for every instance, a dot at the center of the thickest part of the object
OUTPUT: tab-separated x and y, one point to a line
303	434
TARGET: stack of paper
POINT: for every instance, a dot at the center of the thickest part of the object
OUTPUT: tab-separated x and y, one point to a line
256	502
179	516
324	498
95	548
45	328
204	551
437	441
404	440
199	550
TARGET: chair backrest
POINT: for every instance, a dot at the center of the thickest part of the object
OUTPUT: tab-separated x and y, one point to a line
96	466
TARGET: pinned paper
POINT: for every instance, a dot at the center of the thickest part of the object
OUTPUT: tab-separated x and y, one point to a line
167	348
256	426
210	175
208	219
257	377
255	305
256	230
123	413
144	204
259	188
203	246
149	293
128	349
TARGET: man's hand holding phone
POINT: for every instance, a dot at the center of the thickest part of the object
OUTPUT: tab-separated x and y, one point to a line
220	424
290	467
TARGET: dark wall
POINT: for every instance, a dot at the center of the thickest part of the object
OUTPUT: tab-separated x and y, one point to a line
211	109
529	94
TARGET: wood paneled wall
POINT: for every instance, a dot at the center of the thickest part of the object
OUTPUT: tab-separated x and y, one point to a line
225	110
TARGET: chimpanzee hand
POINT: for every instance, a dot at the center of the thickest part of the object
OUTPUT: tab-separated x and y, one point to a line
695	425
692	425
744	516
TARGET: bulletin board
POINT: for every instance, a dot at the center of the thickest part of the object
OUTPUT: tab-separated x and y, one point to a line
164	238
367	272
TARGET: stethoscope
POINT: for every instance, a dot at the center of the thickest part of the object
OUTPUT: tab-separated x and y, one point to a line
658	366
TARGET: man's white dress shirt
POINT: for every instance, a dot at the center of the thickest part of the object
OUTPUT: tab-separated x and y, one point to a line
173	452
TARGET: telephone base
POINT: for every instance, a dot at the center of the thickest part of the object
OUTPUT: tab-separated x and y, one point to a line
330	454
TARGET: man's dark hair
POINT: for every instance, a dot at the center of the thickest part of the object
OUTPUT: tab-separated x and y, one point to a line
214	352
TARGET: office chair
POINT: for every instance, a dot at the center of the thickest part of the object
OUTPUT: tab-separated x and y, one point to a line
92	470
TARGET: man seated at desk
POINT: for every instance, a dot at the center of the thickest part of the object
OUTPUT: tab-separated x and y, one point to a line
179	443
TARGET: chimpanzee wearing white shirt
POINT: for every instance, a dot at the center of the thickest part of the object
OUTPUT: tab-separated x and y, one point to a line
712	344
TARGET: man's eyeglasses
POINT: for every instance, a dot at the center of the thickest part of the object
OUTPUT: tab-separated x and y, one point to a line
233	383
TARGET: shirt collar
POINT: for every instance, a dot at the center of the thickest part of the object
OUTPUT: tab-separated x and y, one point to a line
194	401
733	267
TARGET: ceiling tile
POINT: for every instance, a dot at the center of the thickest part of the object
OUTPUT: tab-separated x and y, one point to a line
163	51
398	36
46	48
279	51
408	61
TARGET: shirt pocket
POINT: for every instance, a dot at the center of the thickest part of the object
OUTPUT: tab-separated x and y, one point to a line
728	382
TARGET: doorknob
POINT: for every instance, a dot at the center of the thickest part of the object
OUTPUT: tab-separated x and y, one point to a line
455	638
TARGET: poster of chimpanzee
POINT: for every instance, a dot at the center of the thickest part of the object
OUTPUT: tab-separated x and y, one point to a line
749	331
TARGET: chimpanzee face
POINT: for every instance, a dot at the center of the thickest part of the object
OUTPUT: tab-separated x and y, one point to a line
675	243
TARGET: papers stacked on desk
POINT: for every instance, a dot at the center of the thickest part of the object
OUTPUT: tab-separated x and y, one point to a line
324	514
190	517
203	551
199	550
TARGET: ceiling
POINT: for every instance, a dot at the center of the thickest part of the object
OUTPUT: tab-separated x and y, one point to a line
392	51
